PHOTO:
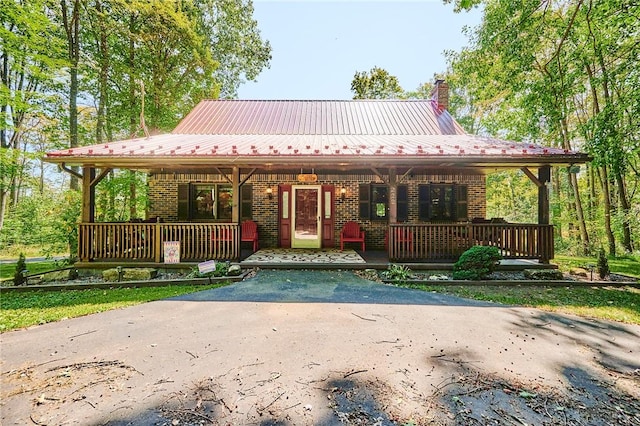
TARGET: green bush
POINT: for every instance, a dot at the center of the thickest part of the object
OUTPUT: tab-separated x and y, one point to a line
18	277
603	265
397	273
476	263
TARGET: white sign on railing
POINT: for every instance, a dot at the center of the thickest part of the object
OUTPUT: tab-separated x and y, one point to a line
171	251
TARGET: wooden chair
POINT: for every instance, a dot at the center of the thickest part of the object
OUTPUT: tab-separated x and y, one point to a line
402	237
249	233
351	233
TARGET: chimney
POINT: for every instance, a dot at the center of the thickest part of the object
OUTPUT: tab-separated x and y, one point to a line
440	94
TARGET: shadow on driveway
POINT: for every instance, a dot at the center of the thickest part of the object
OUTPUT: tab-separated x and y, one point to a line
322	286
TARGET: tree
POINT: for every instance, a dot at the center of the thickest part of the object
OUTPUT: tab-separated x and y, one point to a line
29	49
563	73
375	84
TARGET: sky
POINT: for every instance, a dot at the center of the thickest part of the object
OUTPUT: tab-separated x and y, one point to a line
318	45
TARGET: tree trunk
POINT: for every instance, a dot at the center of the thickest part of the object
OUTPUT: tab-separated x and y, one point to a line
103	77
625	206
573	180
71	22
606	195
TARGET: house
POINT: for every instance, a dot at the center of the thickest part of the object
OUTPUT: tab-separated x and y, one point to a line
405	170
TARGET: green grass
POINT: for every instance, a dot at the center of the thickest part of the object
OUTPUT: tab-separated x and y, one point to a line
626	265
24	309
615	304
7	270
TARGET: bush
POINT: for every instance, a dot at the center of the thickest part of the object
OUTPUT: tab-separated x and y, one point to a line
18	277
603	265
397	273
476	263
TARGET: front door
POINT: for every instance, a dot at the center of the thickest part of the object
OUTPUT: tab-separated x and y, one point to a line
306	224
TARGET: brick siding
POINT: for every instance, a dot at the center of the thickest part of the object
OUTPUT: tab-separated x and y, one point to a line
163	199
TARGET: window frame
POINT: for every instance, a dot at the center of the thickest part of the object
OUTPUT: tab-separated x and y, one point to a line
367	207
187	203
457	202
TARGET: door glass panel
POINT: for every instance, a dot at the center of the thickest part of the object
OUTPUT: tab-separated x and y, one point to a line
306	218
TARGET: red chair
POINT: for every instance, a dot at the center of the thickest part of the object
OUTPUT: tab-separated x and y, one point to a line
351	233
249	233
402	237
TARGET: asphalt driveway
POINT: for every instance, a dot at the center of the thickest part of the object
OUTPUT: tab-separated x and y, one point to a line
322	286
318	348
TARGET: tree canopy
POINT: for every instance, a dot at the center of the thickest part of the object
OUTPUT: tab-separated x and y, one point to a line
76	72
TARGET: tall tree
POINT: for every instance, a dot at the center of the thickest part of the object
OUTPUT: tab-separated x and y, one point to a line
70	18
562	72
29	49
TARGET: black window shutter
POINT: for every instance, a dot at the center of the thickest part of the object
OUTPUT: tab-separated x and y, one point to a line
184	194
246	202
365	204
423	202
460	196
402	197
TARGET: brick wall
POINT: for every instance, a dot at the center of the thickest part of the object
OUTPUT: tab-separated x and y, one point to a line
163	199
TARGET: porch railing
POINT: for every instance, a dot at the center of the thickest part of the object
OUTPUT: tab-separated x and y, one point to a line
446	242
144	241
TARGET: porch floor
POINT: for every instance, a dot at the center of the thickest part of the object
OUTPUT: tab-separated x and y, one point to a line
279	258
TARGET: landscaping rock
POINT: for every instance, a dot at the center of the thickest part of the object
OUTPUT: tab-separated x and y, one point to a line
57	276
130	274
234	271
543	274
579	272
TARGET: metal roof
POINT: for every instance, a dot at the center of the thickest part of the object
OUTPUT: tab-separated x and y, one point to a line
315	133
283	117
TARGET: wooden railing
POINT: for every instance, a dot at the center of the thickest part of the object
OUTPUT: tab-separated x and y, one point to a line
144	241
446	242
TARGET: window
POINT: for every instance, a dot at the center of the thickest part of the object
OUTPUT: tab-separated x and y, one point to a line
374	202
206	201
442	202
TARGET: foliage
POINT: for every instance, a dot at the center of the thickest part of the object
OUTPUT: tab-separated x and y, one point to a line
564	74
375	84
21	266
613	304
476	263
44	221
111	56
399	273
603	264
24	309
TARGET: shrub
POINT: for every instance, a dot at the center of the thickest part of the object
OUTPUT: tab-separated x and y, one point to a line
18	277
603	265
476	263
397	273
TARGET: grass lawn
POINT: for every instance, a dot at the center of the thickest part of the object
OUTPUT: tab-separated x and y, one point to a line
626	265
7	270
24	309
615	304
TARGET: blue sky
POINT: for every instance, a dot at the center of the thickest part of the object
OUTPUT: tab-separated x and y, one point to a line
319	45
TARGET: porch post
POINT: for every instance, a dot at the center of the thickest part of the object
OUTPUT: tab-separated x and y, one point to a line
393	195
88	194
235	204
545	239
544	177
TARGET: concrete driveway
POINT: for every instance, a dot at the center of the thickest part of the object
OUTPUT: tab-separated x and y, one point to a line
291	348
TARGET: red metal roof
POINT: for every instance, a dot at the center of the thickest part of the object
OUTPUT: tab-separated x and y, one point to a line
328	133
358	117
